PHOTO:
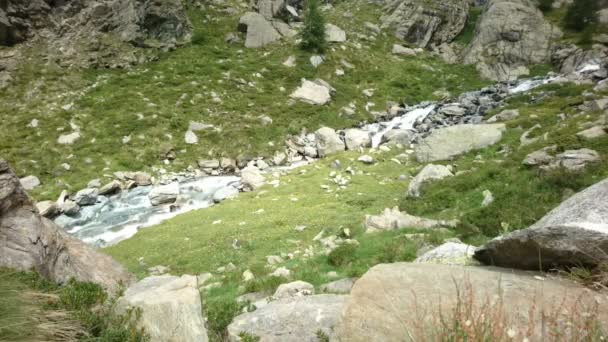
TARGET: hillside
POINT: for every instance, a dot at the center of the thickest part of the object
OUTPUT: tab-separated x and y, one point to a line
180	164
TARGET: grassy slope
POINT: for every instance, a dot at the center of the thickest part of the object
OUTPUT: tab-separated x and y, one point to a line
191	243
110	111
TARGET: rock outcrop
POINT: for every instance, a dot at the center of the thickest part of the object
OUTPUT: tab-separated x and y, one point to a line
424	22
393	301
30	241
573	234
452	141
510	36
170	307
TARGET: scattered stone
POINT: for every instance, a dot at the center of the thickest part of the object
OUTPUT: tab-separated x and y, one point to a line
69	208
592	133
328	142
571	160
29	182
334	34
573	234
488	198
428	173
312	93
164	194
170	308
190	138
290	62
248	276
273	259
68	139
342	286
316	60
403	51
158	270
445	143
453	110
356	138
366	159
281	272
260	31
505	115
86	197
48	209
294	289
393	219
209	164
252	178
449	253
290	319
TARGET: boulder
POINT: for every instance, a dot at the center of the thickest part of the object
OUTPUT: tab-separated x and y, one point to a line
163	194
570	160
86	196
593	132
225	193
294	289
366	159
110	188
48	209
446	143
252	178
573	234
428	173
334	34
393	219
228	164
29	182
342	286
505	115
260	31
142	178
328	141
509	36
398	136
190	138
290	319
29	241
449	253
402	50
573	59
422	22
392	301
355	138
170	307
209	164
453	109
68	139
270	8
312	93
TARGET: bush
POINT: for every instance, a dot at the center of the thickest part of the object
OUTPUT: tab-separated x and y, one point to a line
581	15
342	255
313	33
220	312
545	5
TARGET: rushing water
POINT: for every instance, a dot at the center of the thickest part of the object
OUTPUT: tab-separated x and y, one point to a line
119	217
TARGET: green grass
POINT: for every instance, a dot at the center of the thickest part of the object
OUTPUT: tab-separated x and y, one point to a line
192	243
34	309
468	32
152	91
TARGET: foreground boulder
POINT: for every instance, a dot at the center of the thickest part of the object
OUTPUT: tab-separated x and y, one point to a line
290	319
393	219
422	22
452	141
260	31
573	234
328	141
170	308
164	193
510	36
392	302
29	241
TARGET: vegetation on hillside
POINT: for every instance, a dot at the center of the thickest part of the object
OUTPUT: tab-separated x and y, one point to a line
313	32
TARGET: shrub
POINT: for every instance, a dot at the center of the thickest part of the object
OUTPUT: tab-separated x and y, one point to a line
545	5
313	33
581	15
342	255
220	312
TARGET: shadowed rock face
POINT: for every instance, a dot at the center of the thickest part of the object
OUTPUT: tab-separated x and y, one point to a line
29	241
573	234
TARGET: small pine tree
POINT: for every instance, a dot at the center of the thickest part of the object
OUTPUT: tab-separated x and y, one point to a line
581	15
313	33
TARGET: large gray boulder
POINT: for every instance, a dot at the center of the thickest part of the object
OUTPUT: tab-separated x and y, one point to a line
29	241
573	234
510	36
328	141
260	31
355	138
429	173
164	193
412	302
252	178
316	92
424	22
170	307
449	142
294	319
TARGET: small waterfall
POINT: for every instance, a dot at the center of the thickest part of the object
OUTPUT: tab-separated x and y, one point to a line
405	121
